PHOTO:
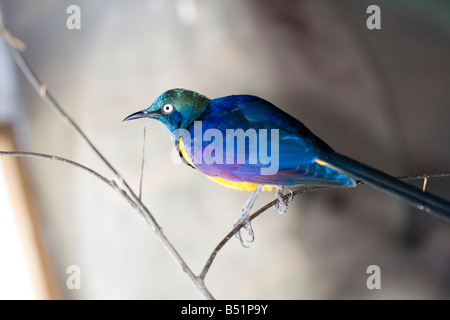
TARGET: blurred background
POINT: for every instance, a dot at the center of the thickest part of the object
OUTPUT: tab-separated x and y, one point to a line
379	96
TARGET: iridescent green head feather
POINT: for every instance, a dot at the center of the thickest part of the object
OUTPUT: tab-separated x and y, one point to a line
176	108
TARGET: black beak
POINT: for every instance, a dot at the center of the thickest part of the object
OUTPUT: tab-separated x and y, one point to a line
139	114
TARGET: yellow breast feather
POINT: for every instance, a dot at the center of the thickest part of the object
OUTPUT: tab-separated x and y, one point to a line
237	185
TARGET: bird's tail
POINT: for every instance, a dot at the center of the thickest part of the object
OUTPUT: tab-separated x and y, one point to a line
416	197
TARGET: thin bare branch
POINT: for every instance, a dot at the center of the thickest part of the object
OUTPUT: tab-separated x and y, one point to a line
237	227
41	88
142	164
11	40
419	176
44	93
424	187
199	282
110	183
267	206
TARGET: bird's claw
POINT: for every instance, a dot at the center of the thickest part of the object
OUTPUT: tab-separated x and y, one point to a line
282	204
245	218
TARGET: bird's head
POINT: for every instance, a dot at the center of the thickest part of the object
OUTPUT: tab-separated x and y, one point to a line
175	108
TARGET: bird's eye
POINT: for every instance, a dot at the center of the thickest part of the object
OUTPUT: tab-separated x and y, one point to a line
167	108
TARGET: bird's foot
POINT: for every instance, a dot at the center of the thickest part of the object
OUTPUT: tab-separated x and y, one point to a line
245	218
282	205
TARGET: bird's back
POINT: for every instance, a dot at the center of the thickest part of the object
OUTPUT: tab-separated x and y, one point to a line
295	149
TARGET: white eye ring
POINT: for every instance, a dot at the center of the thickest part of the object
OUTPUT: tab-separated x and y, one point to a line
167	108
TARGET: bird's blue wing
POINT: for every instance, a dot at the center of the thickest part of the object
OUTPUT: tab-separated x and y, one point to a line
290	146
250	112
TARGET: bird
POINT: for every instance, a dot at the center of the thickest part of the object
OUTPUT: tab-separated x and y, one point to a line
228	139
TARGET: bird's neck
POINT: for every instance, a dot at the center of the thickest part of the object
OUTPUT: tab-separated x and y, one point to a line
194	113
